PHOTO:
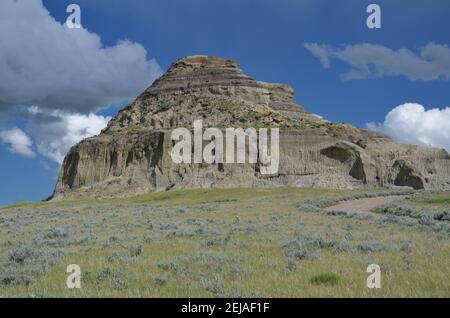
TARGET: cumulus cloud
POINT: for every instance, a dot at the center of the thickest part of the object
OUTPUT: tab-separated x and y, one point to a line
44	63
56	79
18	142
429	63
412	123
56	132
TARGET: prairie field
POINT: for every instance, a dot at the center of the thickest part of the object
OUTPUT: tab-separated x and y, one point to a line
279	242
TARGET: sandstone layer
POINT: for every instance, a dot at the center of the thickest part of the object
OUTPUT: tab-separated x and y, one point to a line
132	155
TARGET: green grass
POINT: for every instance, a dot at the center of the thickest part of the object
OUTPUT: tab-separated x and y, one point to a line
435	199
325	278
214	243
195	196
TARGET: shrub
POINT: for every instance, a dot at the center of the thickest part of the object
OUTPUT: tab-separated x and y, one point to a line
301	249
177	266
426	220
11	275
21	254
208	207
135	250
160	281
164	226
16	279
122	259
405	209
309	247
319	204
48	257
374	246
56	233
214	285
211	242
441	215
111	241
190	228
407	246
116	277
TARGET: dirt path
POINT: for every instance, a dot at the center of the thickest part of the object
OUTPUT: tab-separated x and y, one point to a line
363	205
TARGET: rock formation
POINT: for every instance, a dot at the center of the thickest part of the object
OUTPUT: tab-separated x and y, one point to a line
132	155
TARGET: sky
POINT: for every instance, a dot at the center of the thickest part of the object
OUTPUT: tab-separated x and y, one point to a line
60	85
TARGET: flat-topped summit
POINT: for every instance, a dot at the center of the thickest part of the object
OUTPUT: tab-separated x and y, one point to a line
203	61
132	155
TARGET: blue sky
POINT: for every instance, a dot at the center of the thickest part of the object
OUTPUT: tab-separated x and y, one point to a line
267	39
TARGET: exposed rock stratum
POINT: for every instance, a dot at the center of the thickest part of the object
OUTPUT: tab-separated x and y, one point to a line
132	154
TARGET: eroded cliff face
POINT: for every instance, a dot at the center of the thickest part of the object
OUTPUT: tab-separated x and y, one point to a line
132	155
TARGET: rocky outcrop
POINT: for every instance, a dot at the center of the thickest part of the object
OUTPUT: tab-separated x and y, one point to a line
132	155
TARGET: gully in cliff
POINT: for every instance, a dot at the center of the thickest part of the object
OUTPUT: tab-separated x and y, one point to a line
236	139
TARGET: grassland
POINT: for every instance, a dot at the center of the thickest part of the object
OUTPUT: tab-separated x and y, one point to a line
234	243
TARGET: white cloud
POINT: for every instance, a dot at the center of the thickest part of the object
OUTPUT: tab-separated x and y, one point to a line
57	78
412	123
321	118
429	63
55	133
319	52
18	141
44	63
